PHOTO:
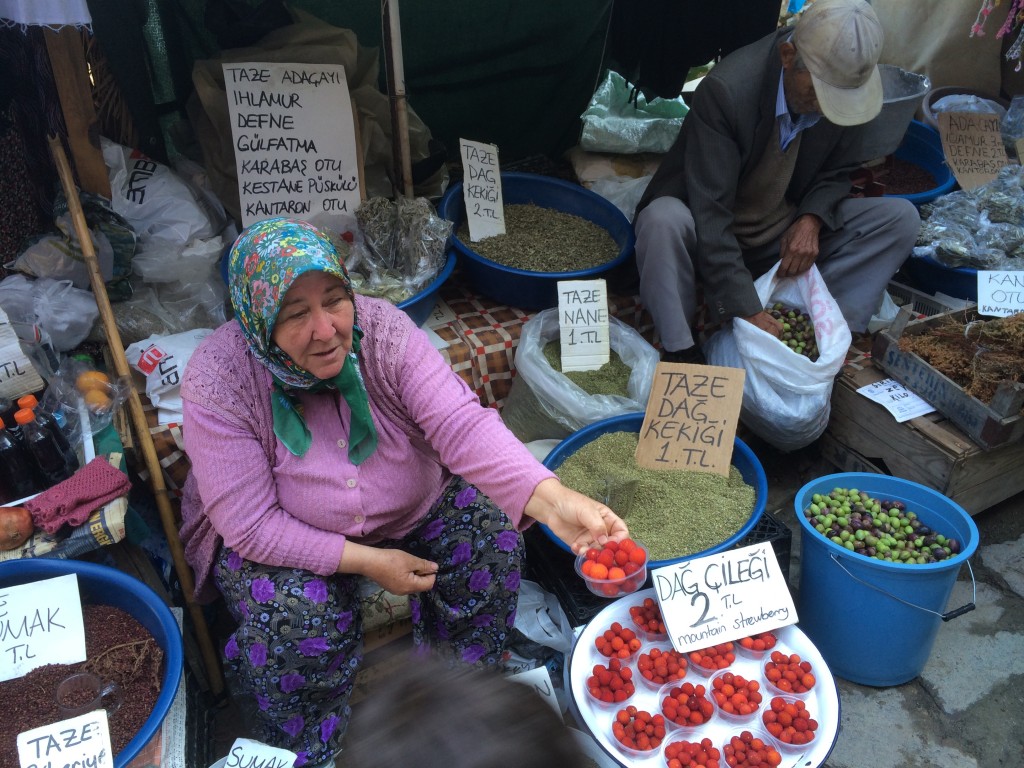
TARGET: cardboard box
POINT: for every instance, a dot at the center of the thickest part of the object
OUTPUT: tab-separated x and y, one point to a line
989	425
862	436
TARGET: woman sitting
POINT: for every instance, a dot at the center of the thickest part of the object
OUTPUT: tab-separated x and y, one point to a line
330	441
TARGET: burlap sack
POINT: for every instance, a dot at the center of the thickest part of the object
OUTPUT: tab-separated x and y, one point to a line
308	41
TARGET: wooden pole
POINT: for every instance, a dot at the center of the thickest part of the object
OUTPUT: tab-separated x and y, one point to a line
138	416
396	93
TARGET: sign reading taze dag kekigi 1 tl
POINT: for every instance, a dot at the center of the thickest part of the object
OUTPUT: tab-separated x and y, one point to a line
294	142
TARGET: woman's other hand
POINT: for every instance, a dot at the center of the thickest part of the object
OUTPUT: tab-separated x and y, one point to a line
396	571
578	520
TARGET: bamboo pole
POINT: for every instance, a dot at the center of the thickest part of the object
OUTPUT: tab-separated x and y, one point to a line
138	416
395	66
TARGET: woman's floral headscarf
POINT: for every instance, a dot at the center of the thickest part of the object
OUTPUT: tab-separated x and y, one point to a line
264	262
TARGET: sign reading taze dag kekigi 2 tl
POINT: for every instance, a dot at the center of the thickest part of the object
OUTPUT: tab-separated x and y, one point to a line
294	142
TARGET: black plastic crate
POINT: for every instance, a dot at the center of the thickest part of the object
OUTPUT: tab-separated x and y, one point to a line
770	528
552	567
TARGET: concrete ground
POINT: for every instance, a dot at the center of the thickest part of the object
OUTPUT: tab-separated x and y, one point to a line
965	710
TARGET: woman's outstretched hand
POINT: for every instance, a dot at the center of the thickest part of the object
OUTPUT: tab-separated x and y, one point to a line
576	519
396	571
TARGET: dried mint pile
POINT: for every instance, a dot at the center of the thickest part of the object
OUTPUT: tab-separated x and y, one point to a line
612	378
540	239
976	354
672	512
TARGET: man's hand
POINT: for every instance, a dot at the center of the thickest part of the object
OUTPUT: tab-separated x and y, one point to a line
766	323
799	246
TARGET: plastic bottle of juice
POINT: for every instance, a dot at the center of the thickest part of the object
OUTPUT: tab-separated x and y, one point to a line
48	456
48	421
17	475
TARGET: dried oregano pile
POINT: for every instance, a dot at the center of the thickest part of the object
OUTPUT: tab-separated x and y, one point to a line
672	512
545	240
612	378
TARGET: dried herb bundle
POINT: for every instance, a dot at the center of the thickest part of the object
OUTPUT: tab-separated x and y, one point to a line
978	355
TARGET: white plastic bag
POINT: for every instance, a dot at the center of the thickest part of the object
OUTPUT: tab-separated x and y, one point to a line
786	396
154	199
884	315
558	398
63	313
162	360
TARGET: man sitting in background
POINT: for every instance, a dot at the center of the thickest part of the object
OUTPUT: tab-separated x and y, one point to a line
760	174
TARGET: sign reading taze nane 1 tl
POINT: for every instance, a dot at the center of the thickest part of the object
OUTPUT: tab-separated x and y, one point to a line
691	417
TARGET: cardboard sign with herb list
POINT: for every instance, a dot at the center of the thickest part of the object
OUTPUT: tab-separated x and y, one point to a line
973	145
691	418
583	324
481	189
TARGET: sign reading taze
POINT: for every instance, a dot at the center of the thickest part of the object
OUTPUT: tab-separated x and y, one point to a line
722	597
294	142
691	416
481	190
583	324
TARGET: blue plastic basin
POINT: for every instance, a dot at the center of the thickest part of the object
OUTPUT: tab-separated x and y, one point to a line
742	458
101	585
522	288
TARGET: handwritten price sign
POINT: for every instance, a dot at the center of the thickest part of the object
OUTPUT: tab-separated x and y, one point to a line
723	597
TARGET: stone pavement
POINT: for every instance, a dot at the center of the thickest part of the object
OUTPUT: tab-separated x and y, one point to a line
965	710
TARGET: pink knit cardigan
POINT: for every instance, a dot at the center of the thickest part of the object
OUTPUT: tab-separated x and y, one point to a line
246	490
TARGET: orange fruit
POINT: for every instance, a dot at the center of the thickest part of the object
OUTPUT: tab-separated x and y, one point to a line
97	400
92	380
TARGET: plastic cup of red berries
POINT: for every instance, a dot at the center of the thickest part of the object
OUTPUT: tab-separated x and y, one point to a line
789	723
738	698
637	732
618	642
660	664
787	674
751	748
618	568
686	705
684	750
610	686
648	621
756	646
708	662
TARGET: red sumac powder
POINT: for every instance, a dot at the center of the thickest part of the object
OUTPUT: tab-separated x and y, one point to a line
117	649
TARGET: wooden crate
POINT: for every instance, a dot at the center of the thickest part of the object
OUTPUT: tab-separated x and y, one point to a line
989	425
862	436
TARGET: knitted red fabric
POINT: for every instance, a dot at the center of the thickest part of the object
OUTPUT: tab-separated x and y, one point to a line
73	500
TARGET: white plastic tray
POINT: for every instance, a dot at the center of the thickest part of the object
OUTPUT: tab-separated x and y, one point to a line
823	701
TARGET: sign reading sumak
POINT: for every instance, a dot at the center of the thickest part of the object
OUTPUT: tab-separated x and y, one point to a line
294	142
40	623
691	416
723	597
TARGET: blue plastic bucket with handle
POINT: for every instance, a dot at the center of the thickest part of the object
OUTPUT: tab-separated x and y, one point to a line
874	621
102	585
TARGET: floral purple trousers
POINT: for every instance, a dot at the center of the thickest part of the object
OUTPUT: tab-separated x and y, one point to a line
299	639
